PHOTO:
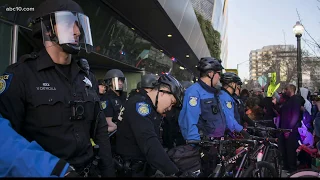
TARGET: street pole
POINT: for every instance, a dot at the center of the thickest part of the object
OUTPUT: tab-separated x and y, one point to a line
299	74
238	68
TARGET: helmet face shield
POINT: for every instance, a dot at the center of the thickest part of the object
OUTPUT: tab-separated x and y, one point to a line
119	84
65	27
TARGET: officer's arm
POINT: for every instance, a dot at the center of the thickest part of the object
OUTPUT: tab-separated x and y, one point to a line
12	97
189	116
102	139
20	158
149	144
108	111
111	125
228	109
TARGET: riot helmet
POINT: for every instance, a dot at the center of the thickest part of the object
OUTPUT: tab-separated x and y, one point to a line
116	80
62	22
149	80
138	85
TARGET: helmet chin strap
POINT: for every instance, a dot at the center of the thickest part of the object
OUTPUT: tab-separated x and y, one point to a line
67	48
156	104
211	78
70	49
233	89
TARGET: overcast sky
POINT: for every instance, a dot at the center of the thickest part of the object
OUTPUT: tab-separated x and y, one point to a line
257	23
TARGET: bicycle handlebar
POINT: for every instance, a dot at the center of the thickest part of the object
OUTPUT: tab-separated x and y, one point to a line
269	129
217	142
263	121
273	140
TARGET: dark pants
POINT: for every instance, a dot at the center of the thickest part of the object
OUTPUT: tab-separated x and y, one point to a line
209	160
288	147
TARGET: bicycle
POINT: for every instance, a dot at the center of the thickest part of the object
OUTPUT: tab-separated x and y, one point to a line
270	149
226	166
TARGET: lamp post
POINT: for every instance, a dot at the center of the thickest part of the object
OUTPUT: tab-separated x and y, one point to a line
239	64
298	30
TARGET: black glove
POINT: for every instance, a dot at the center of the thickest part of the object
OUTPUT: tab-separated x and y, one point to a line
245	134
71	173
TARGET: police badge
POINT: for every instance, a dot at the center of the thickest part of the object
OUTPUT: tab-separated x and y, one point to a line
193	101
143	108
229	105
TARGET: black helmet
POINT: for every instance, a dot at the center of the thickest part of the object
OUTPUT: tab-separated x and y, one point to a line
148	81
186	84
49	6
209	63
229	77
138	85
114	73
175	87
113	78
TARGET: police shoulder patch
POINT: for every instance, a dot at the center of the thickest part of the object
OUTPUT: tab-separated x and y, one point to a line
5	81
104	104
229	105
193	101
143	108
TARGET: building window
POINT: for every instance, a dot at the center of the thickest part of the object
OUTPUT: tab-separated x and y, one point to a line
5	45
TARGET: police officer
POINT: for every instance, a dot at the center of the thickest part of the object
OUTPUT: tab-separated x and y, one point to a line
138	135
172	136
230	84
21	158
113	99
146	84
49	98
102	87
200	110
134	91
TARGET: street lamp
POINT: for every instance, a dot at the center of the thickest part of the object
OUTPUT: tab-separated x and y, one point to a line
239	64
298	30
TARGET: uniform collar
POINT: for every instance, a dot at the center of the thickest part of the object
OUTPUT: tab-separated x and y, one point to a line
148	100
206	87
110	92
222	88
44	60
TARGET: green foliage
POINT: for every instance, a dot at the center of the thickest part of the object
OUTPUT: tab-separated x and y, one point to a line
211	36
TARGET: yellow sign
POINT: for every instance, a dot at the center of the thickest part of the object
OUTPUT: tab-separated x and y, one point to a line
232	71
273	87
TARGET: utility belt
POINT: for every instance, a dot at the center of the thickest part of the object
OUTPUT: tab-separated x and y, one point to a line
92	170
130	167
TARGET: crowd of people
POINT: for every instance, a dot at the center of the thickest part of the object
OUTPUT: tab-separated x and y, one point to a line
57	120
289	109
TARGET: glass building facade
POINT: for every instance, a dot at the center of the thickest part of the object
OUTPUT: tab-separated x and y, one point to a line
112	38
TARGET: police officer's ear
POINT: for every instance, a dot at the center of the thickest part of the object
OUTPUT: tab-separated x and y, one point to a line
210	74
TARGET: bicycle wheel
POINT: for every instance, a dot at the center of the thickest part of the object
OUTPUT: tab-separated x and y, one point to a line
262	169
304	173
274	157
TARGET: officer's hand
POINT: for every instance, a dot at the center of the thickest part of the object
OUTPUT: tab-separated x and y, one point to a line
71	173
245	134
